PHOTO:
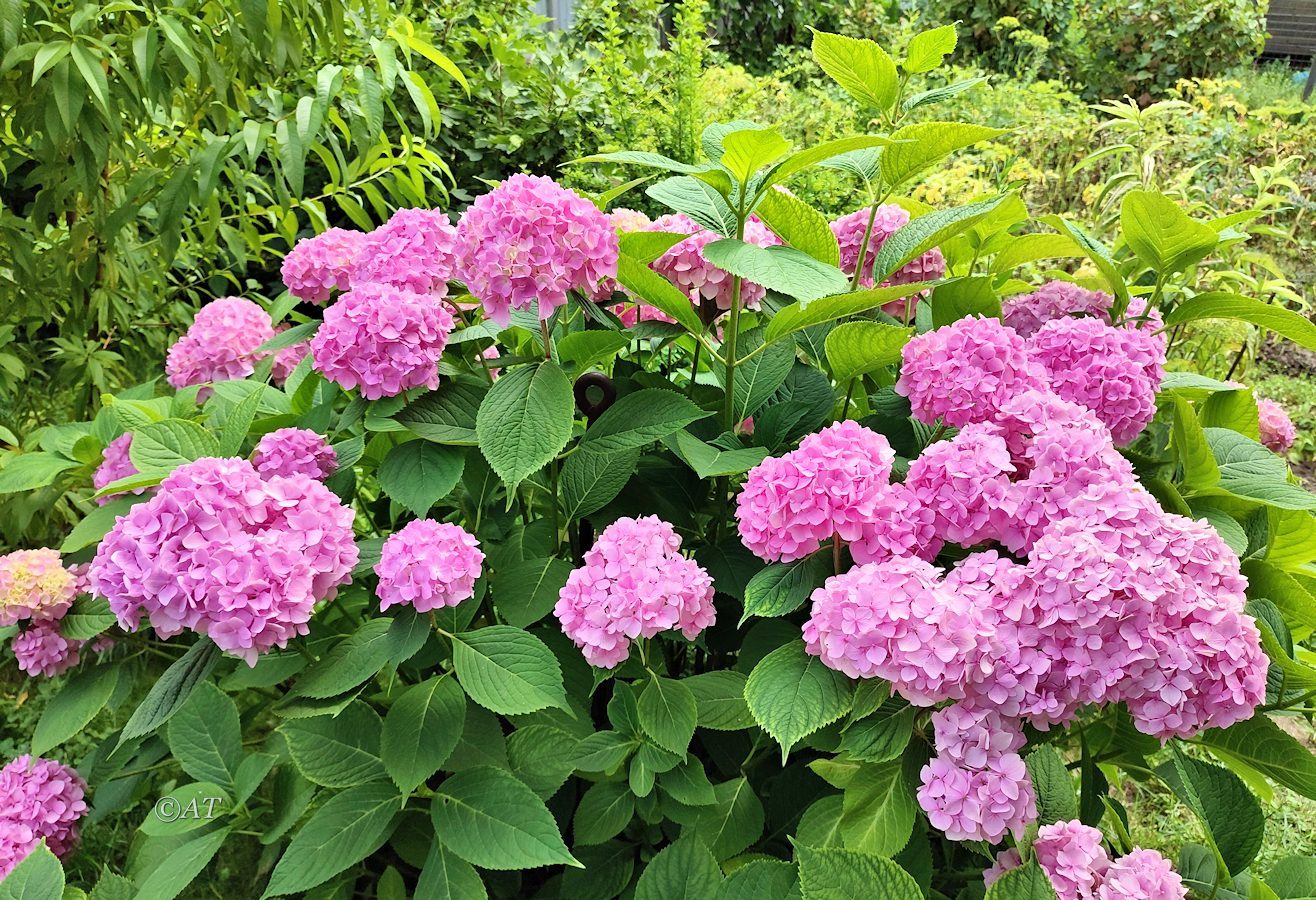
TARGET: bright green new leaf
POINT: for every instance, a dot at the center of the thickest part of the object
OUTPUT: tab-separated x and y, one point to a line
878	809
1162	234
927	49
746	151
801	315
923	145
800	225
782	269
857	348
170	443
1224	305
1027	882
657	291
834	874
860	66
928	231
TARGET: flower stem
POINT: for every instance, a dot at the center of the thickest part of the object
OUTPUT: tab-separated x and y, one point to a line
548	341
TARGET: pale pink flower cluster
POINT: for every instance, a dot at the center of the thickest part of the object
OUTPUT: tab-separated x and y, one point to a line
831	485
428	565
963	372
628	220
1078	867
684	264
977	787
890	218
221	345
41	650
383	340
416	249
40	799
287	359
531	241
223	552
1115	372
1277	431
34	585
294	451
317	266
115	464
635	583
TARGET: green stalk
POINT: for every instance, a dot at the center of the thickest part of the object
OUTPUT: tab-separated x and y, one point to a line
733	327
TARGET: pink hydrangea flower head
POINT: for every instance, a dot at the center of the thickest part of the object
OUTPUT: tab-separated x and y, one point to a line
45	798
428	565
317	266
1071	855
382	340
1112	371
966	482
634	583
684	264
295	451
115	464
1277	431
221	551
1026	313
888	219
416	250
831	484
529	241
41	650
17	841
1005	861
963	372
34	585
978	804
896	620
900	525
221	345
626	221
1142	875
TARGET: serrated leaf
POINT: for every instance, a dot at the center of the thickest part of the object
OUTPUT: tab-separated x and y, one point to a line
792	694
446	415
1227	809
592	479
857	348
783	269
684	870
419	473
421	730
82	696
508	671
668	713
446	876
798	316
927	49
639	419
800	226
170	443
733	822
490	819
1260	743
782	588
1027	882
1056	800
878	809
882	736
1162	234
720	700
1224	305
862	68
172	689
351	661
337	751
606	808
834	874
925	145
206	736
525	420
348	828
928	231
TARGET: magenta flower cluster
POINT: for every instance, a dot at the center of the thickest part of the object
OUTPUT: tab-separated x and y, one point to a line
428	565
294	451
1026	313
1277	431
888	218
322	264
530	242
382	340
962	373
39	800
684	264
115	464
221	345
40	649
634	584
224	552
1078	867
414	250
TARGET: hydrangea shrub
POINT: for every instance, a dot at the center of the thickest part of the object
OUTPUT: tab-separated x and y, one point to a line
743	551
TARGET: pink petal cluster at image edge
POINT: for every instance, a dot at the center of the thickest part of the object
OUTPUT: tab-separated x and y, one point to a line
382	340
530	242
428	565
40	799
221	344
317	266
684	264
634	584
294	451
221	551
1078	867
1277	430
416	249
